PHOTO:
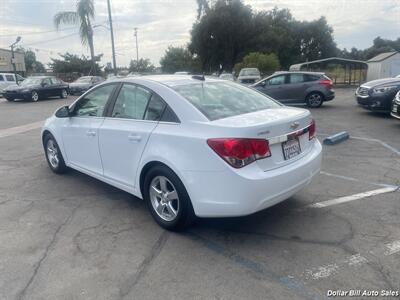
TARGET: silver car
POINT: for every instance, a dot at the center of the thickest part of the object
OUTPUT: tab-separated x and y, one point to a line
249	76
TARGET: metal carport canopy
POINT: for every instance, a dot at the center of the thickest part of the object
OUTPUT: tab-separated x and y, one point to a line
297	67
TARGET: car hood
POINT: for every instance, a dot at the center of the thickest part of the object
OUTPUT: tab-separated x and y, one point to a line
20	88
384	81
79	84
249	77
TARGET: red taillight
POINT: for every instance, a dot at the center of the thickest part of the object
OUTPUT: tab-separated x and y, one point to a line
240	152
326	82
312	130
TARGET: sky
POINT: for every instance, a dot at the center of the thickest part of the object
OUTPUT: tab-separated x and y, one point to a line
162	23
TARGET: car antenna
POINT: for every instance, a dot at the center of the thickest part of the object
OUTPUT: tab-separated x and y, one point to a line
199	77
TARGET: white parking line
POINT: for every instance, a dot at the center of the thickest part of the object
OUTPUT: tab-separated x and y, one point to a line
20	129
350	261
353	197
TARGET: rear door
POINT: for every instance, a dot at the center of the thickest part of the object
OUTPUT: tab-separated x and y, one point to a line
126	130
296	88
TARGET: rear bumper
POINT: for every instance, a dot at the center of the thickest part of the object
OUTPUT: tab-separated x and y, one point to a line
238	193
330	96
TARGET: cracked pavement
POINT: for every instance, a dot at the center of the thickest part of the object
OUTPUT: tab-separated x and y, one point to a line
74	237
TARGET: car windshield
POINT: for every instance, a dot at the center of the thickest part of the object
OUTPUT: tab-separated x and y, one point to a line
250	72
84	79
31	81
218	100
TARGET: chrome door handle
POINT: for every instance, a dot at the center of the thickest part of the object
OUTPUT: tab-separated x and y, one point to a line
134	138
91	133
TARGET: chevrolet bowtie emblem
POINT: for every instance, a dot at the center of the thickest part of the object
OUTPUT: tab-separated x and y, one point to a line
294	125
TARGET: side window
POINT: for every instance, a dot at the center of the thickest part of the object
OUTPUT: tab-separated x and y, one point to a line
10	78
169	116
277	80
93	103
155	108
46	81
131	102
1	78
309	77
296	78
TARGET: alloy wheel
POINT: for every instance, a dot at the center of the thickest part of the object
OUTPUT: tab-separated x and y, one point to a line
315	100
35	96
52	154
64	94
164	198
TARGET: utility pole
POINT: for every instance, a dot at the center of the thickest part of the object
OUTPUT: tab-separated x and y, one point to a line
112	37
137	50
13	58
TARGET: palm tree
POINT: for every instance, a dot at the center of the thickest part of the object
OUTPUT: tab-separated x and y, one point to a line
82	16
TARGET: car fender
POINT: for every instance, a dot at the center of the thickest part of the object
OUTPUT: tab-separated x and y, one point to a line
55	131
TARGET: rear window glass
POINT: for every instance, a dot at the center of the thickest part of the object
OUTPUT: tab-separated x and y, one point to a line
309	77
217	100
10	78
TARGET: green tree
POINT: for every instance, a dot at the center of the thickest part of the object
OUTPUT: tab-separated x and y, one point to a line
266	63
31	63
221	36
71	63
179	59
143	66
82	16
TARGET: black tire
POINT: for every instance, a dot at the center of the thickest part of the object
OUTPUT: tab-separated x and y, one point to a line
60	167
314	99
185	214
35	96
10	99
63	94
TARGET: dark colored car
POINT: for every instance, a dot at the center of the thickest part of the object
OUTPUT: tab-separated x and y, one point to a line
37	87
396	106
377	95
297	87
83	84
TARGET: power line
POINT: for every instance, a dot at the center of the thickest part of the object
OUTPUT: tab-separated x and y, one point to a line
51	40
38	32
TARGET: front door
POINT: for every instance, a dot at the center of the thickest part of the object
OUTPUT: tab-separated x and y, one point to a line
80	133
124	134
275	87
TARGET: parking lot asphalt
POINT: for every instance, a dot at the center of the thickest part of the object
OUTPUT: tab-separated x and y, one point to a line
73	237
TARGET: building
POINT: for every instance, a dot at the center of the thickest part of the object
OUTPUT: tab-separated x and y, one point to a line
5	61
340	70
384	65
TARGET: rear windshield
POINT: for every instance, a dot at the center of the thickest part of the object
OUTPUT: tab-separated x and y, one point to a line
218	100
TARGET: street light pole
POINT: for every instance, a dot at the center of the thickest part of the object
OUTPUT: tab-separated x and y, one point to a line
112	37
13	58
137	50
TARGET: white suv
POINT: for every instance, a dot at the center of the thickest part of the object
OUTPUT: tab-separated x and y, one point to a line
7	79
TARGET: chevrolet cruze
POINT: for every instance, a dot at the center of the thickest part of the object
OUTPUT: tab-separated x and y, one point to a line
188	145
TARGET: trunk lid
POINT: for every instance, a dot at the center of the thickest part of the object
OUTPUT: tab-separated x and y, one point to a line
277	125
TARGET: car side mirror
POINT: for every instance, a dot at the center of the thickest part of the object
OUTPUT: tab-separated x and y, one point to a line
63	112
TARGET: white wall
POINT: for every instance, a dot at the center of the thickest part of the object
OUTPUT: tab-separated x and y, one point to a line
389	67
374	70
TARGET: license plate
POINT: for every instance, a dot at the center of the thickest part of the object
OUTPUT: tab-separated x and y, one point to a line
395	108
291	148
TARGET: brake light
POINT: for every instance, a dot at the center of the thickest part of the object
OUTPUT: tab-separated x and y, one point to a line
239	152
312	130
326	82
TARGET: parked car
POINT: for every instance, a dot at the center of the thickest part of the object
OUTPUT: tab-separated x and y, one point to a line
227	76
37	87
8	79
298	87
377	95
249	76
207	148
396	106
83	84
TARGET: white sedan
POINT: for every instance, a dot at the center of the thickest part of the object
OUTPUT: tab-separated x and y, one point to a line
188	145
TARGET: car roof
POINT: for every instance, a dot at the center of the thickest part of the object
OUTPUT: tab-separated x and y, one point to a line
298	72
171	80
